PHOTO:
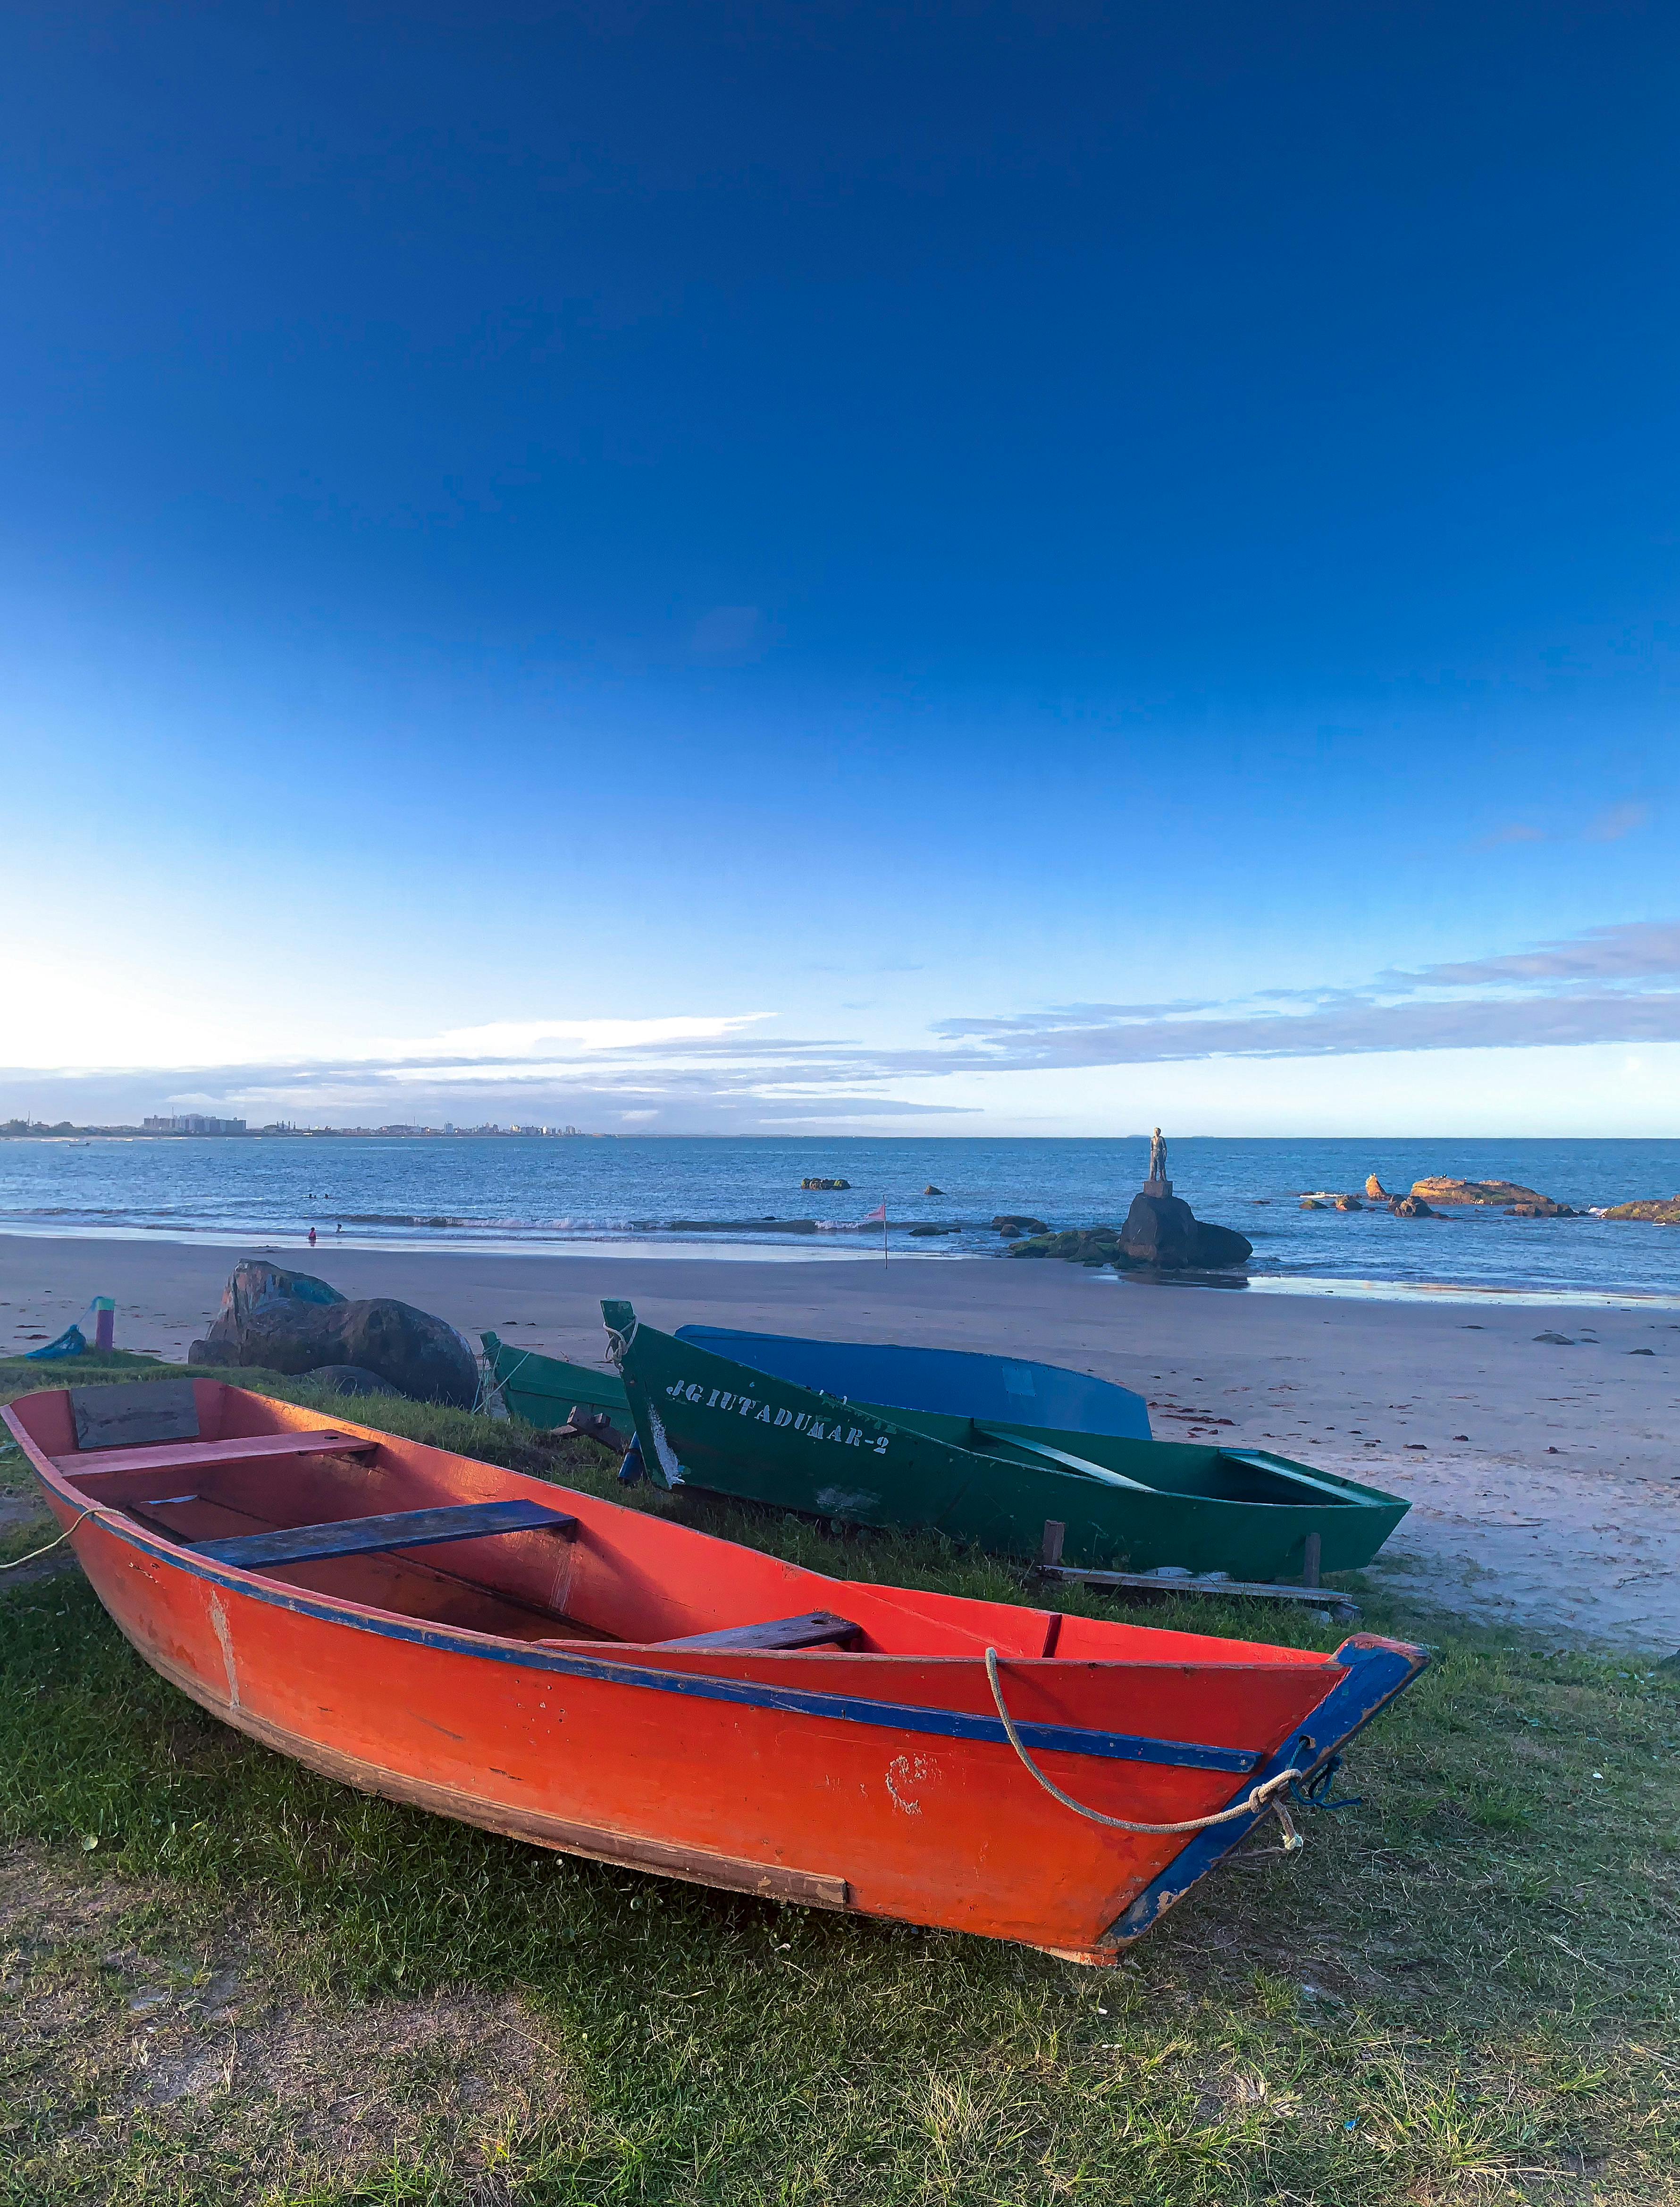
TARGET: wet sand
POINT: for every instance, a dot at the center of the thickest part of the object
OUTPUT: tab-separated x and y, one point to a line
1544	1477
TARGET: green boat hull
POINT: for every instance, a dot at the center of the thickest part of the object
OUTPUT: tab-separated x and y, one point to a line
1137	1505
541	1390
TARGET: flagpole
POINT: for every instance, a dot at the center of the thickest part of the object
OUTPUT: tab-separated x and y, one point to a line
883	1231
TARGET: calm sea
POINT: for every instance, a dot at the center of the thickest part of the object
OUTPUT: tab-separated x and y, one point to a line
510	1193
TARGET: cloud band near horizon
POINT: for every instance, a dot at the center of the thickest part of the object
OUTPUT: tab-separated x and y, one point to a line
1602	986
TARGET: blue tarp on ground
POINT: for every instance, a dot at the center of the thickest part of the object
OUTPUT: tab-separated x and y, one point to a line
955	1382
71	1342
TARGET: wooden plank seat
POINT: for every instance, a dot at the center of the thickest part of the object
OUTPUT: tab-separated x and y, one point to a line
200	1455
373	1536
815	1628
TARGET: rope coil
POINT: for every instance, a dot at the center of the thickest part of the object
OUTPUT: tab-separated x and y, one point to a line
1254	1804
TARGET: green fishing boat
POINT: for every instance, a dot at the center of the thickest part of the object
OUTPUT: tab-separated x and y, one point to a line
738	1413
545	1389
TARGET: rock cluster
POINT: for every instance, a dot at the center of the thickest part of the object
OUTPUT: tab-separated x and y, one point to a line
1080	1245
1009	1224
1160	1233
1402	1206
825	1183
1656	1211
1491	1192
293	1322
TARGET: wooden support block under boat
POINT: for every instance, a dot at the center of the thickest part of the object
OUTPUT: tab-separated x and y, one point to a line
1316	1596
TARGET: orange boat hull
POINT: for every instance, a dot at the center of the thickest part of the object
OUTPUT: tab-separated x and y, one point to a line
874	1779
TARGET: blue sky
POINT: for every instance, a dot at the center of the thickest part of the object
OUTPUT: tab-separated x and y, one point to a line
1015	569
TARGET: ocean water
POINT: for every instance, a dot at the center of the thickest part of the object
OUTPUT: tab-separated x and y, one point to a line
510	1193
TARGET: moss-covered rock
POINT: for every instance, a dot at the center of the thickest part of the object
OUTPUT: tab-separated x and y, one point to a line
1080	1245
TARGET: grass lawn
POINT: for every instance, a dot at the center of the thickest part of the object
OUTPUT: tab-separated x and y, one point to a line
225	1980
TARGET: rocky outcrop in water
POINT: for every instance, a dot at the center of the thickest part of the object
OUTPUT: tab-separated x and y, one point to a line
1080	1245
1484	1192
1657	1211
1160	1233
1163	1231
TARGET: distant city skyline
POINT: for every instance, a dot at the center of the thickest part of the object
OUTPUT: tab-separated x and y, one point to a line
1018	572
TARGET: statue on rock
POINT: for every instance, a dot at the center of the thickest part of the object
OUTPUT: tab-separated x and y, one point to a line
1157	1183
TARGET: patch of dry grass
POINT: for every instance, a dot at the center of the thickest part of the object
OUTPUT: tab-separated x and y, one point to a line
138	2029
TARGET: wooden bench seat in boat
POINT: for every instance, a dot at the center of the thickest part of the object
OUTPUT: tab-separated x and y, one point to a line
1086	1469
815	1628
374	1536
89	1465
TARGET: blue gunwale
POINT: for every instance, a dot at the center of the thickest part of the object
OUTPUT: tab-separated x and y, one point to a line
1373	1677
607	1668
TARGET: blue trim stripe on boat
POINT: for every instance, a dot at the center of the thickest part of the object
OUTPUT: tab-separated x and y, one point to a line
1373	1676
606	1669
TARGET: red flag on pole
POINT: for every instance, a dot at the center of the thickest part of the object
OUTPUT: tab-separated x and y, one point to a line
869	1221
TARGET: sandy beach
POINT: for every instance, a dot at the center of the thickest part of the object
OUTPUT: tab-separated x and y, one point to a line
1544	1476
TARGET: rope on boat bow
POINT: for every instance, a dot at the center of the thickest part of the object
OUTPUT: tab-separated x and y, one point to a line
1253	1804
18	1562
490	1388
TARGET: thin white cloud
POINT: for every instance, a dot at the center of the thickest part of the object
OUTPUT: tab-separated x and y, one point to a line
1639	950
1617	821
1617	984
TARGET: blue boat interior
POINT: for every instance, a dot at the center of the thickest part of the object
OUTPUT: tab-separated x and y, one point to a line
952	1382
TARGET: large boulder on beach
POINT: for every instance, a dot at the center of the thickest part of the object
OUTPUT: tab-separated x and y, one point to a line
289	1322
255	1286
1162	1230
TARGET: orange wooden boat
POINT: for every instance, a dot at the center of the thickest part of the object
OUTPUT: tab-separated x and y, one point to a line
600	1680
